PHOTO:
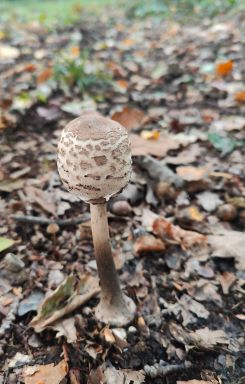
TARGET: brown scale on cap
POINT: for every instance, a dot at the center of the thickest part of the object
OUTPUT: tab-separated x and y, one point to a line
94	159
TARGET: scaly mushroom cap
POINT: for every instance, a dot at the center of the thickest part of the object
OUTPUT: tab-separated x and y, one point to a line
94	158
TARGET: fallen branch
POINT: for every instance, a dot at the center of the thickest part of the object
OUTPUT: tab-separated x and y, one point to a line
46	221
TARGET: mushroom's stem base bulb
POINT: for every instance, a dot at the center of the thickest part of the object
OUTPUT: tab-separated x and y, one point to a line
114	314
114	307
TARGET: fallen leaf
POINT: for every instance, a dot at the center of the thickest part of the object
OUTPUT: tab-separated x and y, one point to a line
224	144
130	118
5	243
194	214
31	67
44	75
116	69
11	185
148	243
122	84
237	201
223	69
49	114
43	198
66	328
209	200
8	53
190	305
159	148
150	135
190	173
18	360
77	107
226	281
229	244
45	374
66	298
207	338
123	376
75	51
187	156
229	123
30	303
173	234
240	97
203	290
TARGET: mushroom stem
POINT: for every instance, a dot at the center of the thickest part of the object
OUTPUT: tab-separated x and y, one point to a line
114	307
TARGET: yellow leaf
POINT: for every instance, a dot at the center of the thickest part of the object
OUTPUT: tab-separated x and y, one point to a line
195	214
150	135
75	51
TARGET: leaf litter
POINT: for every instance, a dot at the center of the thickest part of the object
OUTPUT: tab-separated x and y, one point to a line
177	230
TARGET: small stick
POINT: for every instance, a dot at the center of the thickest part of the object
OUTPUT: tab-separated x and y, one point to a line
46	221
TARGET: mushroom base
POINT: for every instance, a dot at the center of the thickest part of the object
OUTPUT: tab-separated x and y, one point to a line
118	314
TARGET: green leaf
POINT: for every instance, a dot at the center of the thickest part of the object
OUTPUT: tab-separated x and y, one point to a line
5	243
223	144
59	297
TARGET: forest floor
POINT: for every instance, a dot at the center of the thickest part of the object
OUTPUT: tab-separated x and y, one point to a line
177	230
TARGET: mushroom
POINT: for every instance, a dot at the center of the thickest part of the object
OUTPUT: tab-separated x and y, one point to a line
94	162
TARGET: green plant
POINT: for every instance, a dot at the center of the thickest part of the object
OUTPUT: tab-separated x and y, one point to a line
78	72
179	8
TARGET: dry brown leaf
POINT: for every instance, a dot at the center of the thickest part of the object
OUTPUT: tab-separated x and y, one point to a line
186	156
130	118
159	148
116	69
66	328
223	69
45	374
123	376
208	338
108	336
226	281
240	97
173	234
229	244
148	243
44	75
31	67
229	123
43	198
189	173
122	84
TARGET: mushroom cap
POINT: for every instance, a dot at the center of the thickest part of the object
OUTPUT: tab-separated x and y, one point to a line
94	157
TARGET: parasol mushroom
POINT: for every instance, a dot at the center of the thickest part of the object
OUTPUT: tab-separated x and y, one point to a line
94	162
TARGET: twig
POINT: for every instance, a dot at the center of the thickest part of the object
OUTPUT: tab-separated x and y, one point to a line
46	221
163	369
